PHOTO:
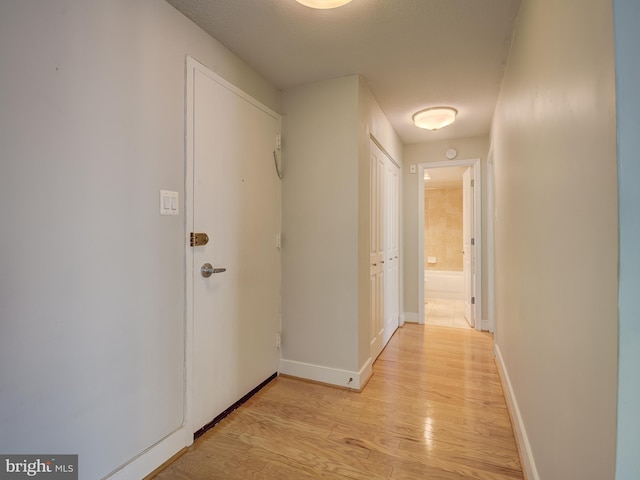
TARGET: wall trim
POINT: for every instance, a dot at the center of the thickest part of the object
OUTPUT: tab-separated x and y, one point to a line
166	464
522	440
365	373
411	317
486	325
328	375
149	460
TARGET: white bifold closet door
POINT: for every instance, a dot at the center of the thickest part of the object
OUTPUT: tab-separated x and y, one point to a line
391	235
383	254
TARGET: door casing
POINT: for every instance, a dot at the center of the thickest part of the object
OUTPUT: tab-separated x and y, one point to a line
477	229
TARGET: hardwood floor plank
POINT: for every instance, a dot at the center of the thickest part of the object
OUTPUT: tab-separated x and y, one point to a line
420	471
321	462
433	409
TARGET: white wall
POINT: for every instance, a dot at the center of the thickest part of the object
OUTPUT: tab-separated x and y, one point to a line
556	237
468	148
320	224
627	39
325	253
91	276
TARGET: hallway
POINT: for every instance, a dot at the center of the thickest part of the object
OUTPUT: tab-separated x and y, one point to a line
433	409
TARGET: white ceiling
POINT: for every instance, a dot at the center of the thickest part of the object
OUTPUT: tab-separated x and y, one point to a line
412	53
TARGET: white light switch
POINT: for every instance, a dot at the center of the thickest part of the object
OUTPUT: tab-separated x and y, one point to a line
412	169
168	202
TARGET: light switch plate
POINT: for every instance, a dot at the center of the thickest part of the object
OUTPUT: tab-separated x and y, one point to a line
412	169
169	202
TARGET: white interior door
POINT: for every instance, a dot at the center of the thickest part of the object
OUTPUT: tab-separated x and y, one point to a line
467	247
236	202
376	250
391	269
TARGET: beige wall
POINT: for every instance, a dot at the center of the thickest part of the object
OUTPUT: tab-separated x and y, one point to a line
443	228
413	154
556	236
92	295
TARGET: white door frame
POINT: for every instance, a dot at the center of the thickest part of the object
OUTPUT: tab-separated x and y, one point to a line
477	227
191	65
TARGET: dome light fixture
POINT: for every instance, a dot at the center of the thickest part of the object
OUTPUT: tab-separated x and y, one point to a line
323	4
435	118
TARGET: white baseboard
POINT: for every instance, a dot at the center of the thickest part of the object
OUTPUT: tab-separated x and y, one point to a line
147	461
365	373
486	325
323	374
526	455
411	317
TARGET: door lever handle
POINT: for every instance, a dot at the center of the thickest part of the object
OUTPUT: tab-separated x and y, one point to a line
207	270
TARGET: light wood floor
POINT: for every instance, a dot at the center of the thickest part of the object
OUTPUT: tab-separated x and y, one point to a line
434	409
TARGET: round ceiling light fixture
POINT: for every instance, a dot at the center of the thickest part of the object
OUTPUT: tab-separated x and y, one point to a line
435	118
323	4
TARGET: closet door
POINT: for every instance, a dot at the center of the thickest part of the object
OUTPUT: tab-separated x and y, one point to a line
391	269
376	249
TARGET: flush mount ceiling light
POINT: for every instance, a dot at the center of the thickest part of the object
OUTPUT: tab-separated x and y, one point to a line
323	4
435	118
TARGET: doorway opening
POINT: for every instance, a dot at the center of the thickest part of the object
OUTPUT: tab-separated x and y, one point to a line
449	239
